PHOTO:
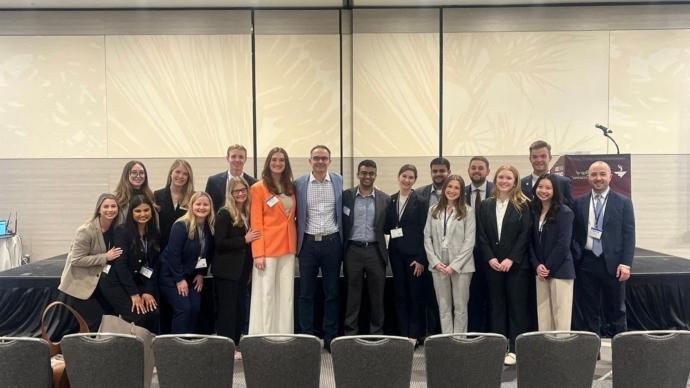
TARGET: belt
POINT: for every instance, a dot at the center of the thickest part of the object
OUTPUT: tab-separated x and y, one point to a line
363	244
321	237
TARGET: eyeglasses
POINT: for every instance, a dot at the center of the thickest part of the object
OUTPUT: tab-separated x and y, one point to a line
320	158
137	173
238	191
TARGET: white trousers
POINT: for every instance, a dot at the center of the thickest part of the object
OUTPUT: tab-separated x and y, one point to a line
452	294
554	304
273	290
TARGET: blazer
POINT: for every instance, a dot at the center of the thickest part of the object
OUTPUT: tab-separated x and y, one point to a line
216	185
460	235
562	182
167	213
469	196
301	188
278	231
233	255
85	261
381	202
551	247
618	237
179	258
412	222
515	233
424	193
125	269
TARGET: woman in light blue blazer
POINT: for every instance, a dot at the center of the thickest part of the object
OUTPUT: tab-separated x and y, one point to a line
449	241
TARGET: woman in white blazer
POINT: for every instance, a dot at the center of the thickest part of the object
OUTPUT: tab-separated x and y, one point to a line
449	241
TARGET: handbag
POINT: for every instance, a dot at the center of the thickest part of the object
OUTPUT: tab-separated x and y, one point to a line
57	363
116	325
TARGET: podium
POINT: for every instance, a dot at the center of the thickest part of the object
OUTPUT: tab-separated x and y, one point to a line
575	167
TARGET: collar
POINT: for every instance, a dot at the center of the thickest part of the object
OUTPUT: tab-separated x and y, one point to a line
312	179
603	195
481	187
235	176
535	176
373	193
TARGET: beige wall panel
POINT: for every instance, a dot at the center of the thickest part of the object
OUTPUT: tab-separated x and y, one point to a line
650	91
52	96
395	94
504	90
170	96
297	93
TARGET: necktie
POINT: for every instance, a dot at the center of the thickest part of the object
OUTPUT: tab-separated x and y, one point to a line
477	200
597	249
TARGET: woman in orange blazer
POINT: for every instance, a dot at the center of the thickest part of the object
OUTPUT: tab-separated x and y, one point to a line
273	216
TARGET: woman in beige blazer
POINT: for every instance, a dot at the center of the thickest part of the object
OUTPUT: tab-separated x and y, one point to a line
89	256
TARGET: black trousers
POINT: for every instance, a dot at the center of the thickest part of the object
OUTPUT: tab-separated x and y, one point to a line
121	302
508	302
598	294
91	309
478	307
409	296
361	261
231	306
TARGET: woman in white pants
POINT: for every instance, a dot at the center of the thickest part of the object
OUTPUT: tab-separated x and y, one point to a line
449	239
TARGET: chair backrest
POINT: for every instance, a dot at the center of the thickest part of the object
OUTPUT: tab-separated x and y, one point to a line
292	360
103	360
194	360
556	359
24	362
651	359
464	360
372	361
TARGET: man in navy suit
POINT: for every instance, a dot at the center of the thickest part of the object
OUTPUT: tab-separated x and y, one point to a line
319	241
604	236
216	186
479	189
539	157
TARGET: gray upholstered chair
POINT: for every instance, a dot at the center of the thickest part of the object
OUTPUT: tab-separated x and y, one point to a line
194	360
281	360
372	361
103	360
659	359
556	359
464	360
24	362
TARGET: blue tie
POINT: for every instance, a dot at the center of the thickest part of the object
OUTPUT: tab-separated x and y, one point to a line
597	249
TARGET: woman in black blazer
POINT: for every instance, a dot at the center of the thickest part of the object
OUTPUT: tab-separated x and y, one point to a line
233	262
173	199
503	235
131	284
185	260
405	221
552	228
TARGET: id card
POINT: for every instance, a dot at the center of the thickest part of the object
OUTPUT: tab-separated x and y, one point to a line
201	263
272	201
595	233
106	269
396	233
146	271
346	211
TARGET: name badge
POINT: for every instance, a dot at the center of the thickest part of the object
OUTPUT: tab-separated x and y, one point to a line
272	201
201	263
444	243
106	269
396	233
595	233
146	271
346	211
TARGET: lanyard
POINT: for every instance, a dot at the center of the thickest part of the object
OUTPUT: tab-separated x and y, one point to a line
401	210
445	220
597	215
145	247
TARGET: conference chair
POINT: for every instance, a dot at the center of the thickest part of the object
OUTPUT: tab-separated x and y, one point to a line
190	360
556	359
281	360
372	361
659	359
24	362
464	360
103	360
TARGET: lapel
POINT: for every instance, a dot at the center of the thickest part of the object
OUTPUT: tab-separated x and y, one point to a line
610	205
492	218
527	186
379	208
584	208
468	195
96	226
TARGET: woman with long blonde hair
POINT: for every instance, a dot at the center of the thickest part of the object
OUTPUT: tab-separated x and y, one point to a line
173	199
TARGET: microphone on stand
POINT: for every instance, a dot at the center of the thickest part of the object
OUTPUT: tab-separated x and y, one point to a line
605	131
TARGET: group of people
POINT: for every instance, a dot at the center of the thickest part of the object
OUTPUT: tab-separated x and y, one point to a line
483	256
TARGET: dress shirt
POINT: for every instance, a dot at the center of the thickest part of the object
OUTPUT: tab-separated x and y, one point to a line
363	220
434	196
534	179
591	222
501	207
482	193
321	206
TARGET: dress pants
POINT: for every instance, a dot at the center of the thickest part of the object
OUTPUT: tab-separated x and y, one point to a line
478	304
314	255
358	262
91	309
554	303
409	296
452	293
185	309
273	289
231	297
594	285
508	302
121	303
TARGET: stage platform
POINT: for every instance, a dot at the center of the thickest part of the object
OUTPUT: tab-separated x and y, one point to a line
658	294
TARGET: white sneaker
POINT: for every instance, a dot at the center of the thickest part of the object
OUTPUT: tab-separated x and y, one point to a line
510	359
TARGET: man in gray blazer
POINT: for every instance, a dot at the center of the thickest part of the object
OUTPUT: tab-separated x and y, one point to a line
319	241
364	218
